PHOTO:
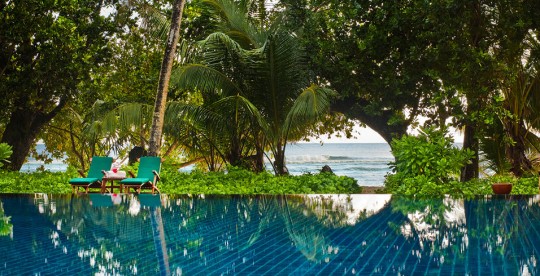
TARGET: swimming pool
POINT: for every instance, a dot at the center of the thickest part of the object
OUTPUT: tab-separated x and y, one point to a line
290	235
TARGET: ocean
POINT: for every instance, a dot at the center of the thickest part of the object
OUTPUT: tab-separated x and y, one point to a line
367	163
31	165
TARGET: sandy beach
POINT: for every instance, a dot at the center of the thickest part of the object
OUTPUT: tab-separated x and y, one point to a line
371	189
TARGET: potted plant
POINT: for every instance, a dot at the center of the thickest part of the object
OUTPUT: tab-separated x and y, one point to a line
502	184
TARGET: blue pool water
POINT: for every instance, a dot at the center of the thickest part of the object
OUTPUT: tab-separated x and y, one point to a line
274	235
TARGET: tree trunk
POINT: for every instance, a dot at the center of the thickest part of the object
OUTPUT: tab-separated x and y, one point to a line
387	132
74	148
164	77
279	161
259	159
235	154
352	108
21	131
21	138
470	171
475	100
515	152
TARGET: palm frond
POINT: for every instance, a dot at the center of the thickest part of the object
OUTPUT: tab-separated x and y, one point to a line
186	52
311	104
155	22
219	48
309	107
200	129
92	126
203	78
134	115
533	141
199	117
284	74
234	22
240	108
534	102
125	118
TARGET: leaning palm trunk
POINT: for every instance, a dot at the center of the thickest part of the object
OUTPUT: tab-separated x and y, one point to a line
235	153
279	163
258	163
165	76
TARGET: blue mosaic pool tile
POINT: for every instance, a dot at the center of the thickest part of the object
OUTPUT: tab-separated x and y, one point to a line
262	236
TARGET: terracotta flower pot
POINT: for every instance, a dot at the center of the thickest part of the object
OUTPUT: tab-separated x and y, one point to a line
503	188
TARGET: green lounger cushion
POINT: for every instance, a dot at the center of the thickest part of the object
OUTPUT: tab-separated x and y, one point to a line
98	164
85	180
147	166
135	181
147	174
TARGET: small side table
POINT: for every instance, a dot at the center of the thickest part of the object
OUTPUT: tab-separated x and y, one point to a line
110	177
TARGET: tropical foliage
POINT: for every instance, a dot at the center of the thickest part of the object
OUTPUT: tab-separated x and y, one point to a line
431	153
234	181
237	181
426	161
48	51
445	60
5	153
272	105
248	78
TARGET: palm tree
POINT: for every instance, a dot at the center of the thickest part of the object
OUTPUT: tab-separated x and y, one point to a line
521	119
164	78
256	97
219	132
289	103
79	134
520	96
267	70
125	124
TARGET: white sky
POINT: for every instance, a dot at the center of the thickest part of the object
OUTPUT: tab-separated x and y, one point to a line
368	135
361	135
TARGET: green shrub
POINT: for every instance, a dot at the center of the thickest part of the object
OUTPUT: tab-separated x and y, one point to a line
37	182
525	186
432	153
422	187
235	181
520	186
426	165
239	181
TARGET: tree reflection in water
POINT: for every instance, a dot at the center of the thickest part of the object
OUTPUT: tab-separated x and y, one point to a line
6	228
305	230
437	224
309	218
305	234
